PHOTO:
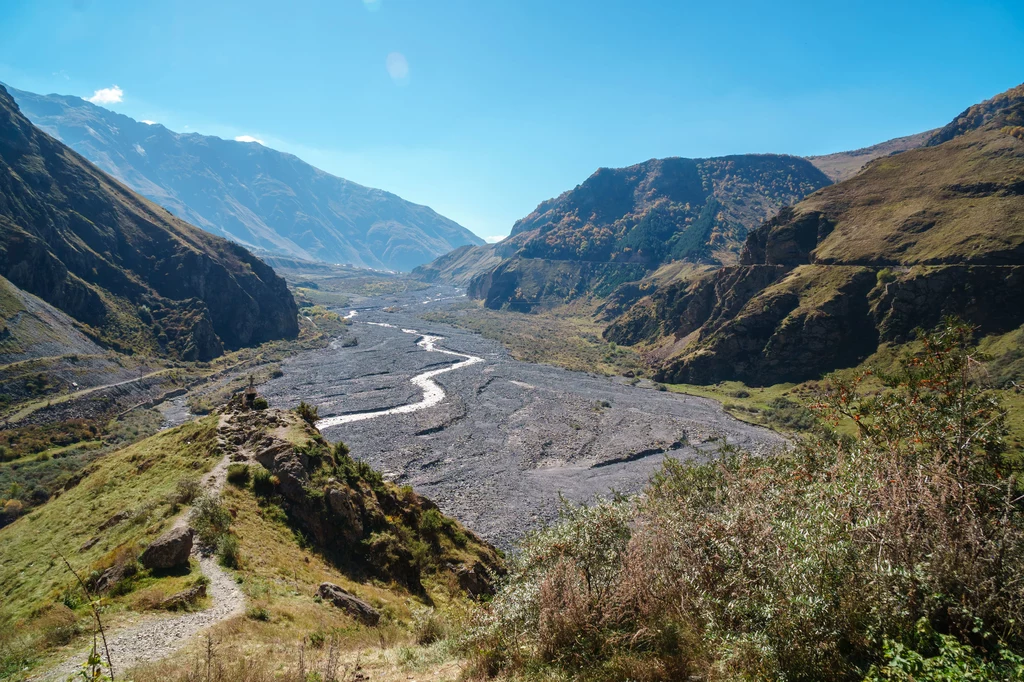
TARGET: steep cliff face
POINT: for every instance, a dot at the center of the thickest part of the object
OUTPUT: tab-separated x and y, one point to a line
137	278
623	223
930	232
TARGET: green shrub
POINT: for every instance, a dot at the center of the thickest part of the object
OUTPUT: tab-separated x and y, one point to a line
428	626
238	474
262	482
317	638
210	520
260	403
259	613
826	563
308	413
58	626
187	489
227	551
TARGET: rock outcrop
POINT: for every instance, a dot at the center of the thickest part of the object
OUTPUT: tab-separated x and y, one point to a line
349	603
362	523
170	550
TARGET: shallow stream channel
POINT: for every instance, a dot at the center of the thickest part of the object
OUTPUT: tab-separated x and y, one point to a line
493	441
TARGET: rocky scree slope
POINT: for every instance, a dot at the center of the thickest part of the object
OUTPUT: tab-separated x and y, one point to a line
623	223
249	193
929	232
132	275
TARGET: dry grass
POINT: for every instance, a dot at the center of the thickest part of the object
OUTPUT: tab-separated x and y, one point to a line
567	336
815	566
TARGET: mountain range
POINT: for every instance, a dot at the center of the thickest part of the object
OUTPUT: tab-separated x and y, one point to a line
929	232
623	223
131	275
249	193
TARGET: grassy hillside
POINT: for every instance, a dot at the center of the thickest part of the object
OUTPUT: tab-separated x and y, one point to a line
928	232
844	165
403	558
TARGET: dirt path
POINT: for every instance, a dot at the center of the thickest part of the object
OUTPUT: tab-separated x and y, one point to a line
56	400
152	638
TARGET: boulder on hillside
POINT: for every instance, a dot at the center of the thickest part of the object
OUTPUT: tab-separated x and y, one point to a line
351	604
170	550
475	580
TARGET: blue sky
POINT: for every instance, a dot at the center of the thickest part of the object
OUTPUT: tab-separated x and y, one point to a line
482	109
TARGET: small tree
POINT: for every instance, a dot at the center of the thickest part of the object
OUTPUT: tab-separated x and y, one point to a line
308	413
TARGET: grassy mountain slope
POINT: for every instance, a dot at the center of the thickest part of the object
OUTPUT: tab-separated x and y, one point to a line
460	266
135	277
844	165
393	550
249	193
931	231
31	329
624	223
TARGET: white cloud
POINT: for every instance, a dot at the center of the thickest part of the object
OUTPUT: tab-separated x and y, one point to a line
398	67
148	122
495	239
248	138
111	95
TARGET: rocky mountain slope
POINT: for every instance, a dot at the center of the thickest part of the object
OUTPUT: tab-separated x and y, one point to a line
133	276
932	231
249	193
622	223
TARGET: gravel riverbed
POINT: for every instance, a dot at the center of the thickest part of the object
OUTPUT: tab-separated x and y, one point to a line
509	437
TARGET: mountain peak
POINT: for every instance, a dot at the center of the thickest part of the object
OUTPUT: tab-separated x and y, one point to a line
252	194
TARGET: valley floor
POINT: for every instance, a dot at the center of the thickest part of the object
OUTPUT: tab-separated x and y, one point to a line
510	438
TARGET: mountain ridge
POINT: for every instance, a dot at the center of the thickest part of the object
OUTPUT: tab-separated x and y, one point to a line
932	231
622	223
250	193
133	276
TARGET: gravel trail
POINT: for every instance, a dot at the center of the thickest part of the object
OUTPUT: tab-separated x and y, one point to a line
151	638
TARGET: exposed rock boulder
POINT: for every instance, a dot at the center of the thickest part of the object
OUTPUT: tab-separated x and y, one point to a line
348	602
475	580
170	550
185	598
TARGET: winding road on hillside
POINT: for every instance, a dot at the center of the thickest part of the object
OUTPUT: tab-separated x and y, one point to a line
497	443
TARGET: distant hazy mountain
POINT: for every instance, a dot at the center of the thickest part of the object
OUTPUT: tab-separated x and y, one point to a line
249	193
130	274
